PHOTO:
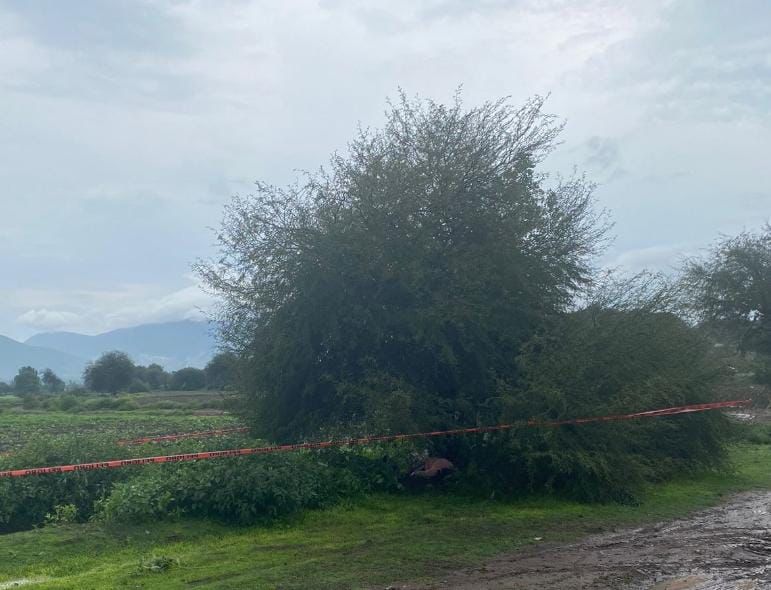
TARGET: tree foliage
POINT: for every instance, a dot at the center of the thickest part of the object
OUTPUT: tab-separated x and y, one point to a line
188	379
52	382
153	376
730	289
433	278
110	373
395	289
27	380
625	350
222	371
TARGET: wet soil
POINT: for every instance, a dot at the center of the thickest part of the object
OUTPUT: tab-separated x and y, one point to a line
723	548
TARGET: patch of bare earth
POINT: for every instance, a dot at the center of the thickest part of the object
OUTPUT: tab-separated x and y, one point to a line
723	548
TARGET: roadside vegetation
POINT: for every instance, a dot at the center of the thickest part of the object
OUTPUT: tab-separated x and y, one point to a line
433	278
372	541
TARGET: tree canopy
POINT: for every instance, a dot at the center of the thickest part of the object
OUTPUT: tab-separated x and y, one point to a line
188	379
730	289
52	382
395	288
222	371
27	380
110	373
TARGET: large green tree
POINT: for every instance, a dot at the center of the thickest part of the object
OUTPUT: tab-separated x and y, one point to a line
394	289
110	373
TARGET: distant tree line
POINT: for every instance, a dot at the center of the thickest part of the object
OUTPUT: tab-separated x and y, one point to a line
115	372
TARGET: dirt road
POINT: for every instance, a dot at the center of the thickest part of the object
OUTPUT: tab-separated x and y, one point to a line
723	548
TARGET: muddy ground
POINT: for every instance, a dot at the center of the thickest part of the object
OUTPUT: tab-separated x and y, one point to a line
728	547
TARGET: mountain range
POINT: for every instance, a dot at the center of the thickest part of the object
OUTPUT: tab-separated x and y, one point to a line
172	345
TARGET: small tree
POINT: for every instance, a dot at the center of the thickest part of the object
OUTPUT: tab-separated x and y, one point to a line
27	380
222	371
52	382
188	379
5	388
110	373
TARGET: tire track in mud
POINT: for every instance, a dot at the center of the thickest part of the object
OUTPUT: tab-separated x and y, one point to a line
723	548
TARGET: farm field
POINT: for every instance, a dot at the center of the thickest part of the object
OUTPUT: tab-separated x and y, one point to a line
123	417
369	542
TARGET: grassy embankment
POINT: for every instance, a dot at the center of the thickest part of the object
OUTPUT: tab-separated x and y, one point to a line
371	542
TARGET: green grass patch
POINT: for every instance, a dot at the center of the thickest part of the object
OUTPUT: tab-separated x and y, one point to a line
377	540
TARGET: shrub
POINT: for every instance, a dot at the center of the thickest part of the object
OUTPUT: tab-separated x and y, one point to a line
188	379
25	502
126	405
68	403
249	489
608	361
138	386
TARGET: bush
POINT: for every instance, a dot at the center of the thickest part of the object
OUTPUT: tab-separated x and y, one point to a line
26	501
126	405
100	403
68	403
249	489
30	402
602	361
188	379
138	386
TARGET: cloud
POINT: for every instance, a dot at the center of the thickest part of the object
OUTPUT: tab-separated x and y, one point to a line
48	319
128	124
188	303
698	60
100	310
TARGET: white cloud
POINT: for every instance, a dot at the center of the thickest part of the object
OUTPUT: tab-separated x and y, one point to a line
100	310
48	319
187	303
126	125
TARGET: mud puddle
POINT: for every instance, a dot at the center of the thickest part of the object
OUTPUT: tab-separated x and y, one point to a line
723	548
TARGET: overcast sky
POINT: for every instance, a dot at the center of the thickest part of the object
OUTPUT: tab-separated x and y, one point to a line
125	126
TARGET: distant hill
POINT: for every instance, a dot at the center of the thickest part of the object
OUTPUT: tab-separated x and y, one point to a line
173	344
14	355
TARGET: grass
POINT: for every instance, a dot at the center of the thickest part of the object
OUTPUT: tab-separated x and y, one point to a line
375	541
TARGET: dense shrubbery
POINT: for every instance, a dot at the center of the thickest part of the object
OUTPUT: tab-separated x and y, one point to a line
239	490
25	502
249	489
604	361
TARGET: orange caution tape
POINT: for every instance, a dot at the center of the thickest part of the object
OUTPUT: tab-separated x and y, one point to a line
114	464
